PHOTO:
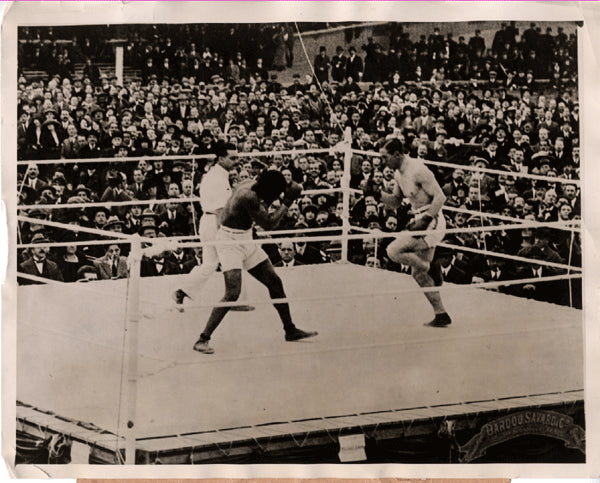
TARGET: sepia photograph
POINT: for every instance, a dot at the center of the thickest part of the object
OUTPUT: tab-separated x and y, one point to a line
295	242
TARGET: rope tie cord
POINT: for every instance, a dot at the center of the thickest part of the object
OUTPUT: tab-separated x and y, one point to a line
501	172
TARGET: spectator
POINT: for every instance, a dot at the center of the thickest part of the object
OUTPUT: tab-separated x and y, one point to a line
322	65
69	262
38	264
112	265
354	66
513	120
287	254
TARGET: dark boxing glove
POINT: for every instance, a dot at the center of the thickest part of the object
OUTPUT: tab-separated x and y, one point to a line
291	193
420	224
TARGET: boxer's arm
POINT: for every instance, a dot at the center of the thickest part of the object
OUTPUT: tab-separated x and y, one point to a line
259	214
393	200
429	184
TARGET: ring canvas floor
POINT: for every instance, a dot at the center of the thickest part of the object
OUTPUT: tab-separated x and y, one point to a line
373	353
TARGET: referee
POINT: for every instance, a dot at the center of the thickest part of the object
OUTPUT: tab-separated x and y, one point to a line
215	190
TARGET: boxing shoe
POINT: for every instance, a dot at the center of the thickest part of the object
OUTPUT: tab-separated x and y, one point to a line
202	346
441	320
298	334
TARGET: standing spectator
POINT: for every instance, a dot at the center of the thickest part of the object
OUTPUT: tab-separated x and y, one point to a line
91	71
338	65
322	65
372	61
530	38
476	45
354	66
281	55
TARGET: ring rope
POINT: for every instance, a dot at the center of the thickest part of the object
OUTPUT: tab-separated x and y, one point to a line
194	199
65	226
294	240
484	170
515	258
176	157
377	234
183	238
314	298
309	230
508	256
73	243
485	214
158	244
339	149
265	234
197	199
381	234
416	289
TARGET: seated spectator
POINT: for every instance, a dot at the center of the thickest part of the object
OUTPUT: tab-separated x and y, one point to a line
38	264
87	273
510	121
193	261
287	254
180	257
453	271
69	262
112	265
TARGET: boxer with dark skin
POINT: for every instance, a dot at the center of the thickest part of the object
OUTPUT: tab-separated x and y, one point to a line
248	205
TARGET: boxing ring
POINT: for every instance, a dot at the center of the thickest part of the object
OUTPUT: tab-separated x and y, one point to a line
94	357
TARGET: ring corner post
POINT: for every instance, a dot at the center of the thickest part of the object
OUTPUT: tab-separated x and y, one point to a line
132	326
345	182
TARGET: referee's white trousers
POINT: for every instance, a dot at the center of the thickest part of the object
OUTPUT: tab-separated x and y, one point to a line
197	278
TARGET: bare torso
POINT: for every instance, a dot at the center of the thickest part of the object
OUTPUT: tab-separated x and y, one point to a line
408	180
236	213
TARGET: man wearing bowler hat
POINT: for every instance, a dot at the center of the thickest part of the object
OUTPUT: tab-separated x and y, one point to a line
39	265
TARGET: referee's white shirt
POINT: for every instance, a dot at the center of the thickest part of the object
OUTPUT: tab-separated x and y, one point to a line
214	189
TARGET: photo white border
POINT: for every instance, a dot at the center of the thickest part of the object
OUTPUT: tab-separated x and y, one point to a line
74	13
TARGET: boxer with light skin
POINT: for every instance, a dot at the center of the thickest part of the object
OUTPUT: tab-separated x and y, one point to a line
417	183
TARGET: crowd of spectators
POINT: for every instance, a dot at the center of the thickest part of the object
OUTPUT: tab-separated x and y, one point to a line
492	122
